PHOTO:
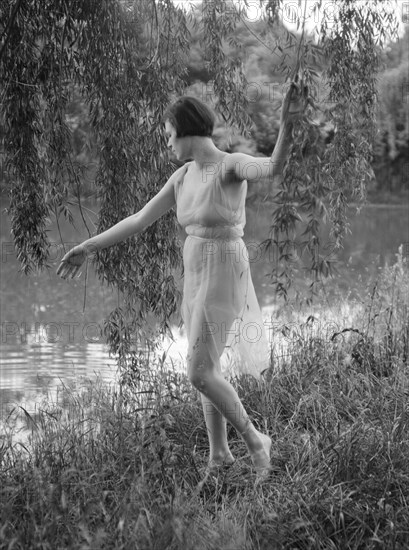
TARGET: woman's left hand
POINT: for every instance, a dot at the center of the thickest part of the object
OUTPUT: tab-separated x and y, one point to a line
294	101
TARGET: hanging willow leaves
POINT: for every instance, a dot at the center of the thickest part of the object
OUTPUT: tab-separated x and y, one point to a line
321	181
127	59
219	20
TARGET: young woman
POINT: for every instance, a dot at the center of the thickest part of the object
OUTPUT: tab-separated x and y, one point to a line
219	307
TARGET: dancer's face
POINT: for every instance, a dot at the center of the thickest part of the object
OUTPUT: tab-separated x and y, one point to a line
179	146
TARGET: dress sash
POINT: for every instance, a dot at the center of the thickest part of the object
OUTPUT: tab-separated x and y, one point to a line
223	232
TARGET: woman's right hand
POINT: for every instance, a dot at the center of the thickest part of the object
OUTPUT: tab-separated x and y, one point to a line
72	262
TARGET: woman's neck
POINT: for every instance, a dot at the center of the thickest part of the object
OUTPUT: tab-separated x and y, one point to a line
204	151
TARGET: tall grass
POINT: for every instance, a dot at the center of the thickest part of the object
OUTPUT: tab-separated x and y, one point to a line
119	467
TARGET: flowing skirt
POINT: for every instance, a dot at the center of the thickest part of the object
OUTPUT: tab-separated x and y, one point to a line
220	305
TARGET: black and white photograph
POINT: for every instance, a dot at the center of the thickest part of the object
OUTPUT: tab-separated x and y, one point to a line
204	275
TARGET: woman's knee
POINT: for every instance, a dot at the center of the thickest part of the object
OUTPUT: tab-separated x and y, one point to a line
199	372
197	378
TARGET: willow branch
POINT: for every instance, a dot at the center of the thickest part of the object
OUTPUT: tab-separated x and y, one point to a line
9	25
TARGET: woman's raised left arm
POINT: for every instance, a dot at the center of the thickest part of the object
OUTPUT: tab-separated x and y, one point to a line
247	167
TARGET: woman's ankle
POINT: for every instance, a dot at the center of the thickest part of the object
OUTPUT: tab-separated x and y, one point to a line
221	457
253	438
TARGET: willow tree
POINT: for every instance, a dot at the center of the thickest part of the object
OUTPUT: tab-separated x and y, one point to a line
346	42
127	59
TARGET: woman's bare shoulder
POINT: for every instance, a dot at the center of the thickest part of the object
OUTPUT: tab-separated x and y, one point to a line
178	174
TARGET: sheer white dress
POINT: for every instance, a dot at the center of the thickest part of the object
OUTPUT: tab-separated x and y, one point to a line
219	305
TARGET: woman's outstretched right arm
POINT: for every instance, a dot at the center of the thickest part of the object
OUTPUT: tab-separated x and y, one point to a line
136	223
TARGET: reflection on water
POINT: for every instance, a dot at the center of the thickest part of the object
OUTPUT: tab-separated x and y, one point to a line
32	370
50	328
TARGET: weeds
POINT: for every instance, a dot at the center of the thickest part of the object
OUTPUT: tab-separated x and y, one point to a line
118	467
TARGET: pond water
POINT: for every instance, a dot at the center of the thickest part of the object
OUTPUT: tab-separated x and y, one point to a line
50	328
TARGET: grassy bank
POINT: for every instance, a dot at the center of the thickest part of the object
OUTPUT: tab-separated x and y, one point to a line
119	468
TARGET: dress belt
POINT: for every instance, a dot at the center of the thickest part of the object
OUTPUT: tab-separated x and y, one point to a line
224	232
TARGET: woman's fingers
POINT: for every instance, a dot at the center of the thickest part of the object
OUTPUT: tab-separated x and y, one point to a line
66	270
63	270
71	263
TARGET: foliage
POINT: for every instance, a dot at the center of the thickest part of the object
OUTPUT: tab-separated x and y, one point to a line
122	468
323	181
123	61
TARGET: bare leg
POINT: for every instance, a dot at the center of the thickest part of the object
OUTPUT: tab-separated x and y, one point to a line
217	432
205	376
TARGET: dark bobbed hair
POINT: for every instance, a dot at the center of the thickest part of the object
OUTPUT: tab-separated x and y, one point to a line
190	117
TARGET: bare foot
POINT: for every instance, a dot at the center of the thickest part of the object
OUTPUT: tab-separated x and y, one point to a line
261	458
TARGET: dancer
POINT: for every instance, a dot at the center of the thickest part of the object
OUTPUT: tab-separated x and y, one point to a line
219	308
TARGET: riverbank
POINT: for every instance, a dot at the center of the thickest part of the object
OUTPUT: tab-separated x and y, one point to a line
120	467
